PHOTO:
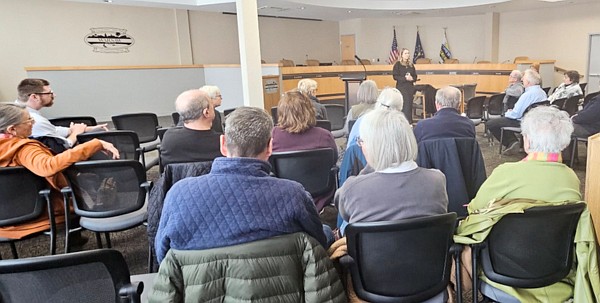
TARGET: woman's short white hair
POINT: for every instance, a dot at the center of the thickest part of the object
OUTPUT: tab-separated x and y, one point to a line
390	98
211	90
367	92
387	139
307	86
547	128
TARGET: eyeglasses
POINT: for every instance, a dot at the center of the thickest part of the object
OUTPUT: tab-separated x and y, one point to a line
218	96
43	93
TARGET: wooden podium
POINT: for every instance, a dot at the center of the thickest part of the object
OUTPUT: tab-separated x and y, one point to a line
592	181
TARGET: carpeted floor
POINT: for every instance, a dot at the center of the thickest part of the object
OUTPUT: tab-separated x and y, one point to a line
134	244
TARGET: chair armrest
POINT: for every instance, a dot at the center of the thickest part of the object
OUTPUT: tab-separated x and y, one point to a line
147	186
131	292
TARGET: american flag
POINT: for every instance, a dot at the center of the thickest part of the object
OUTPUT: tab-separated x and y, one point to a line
394	51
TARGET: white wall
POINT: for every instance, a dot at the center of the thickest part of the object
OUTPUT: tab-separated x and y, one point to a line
51	33
215	39
561	34
466	36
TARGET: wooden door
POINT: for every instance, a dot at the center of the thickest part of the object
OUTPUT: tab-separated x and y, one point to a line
348	47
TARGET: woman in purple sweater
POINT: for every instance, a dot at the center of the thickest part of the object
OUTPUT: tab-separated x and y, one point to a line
296	130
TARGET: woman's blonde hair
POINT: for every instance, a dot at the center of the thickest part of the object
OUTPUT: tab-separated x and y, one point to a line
295	112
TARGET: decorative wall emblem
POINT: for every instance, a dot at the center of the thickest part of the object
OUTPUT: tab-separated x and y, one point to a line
109	40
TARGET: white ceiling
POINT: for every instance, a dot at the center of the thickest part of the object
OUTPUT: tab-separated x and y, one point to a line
337	10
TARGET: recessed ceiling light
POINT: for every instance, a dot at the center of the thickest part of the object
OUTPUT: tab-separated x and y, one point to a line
302	7
349	12
108	1
551	0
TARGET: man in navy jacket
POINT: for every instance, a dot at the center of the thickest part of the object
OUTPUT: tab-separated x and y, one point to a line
447	122
587	121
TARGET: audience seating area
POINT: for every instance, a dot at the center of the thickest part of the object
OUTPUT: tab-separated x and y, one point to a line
110	196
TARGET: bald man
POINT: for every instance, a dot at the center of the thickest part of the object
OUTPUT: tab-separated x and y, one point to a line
195	141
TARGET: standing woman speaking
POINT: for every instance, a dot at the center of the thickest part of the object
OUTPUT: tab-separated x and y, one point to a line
405	75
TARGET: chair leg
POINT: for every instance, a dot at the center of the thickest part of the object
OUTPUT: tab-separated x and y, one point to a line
107	236
13	250
573	152
150	255
501	140
98	240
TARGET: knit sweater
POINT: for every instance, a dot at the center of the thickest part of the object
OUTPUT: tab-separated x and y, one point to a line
237	202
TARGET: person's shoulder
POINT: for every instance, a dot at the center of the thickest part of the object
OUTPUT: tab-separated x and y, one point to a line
433	173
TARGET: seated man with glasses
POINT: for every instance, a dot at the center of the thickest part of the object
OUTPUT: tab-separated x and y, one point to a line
36	94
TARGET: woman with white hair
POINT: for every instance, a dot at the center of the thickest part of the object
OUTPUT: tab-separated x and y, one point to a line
309	88
394	189
214	93
538	180
390	98
541	175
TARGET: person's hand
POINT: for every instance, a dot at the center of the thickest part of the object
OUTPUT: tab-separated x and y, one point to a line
77	128
110	149
95	128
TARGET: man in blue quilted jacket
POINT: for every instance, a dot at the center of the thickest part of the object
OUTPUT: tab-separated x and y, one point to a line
238	201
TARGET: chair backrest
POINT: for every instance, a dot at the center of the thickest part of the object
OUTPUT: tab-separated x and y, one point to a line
546	89
451	61
125	141
571	105
228	111
429	91
66	121
582	86
312	62
495	105
532	249
351	125
365	61
20	198
483	62
475	107
510	103
336	114
401	261
423	61
143	124
348	62
87	276
325	124
286	63
314	169
469	91
560	103
175	117
161	131
107	188
274	114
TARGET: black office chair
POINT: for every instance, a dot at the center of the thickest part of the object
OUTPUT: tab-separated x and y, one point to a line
89	276
582	86
571	105
175	117
559	103
529	250
494	108
546	90
337	115
510	103
66	121
228	111
324	124
24	197
315	169
109	196
575	149
124	140
401	261
274	114
475	110
145	125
